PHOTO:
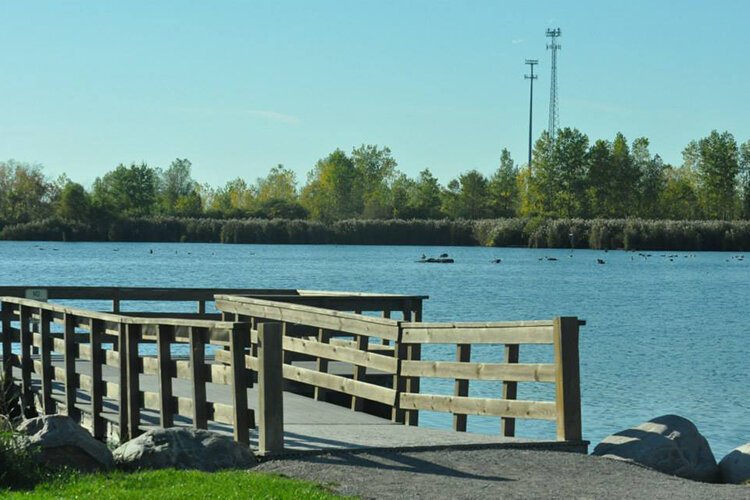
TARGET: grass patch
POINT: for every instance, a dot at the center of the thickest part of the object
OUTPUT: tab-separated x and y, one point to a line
168	484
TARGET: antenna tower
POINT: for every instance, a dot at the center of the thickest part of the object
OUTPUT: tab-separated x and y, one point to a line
531	78
554	112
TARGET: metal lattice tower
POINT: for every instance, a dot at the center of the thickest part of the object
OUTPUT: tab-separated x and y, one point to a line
554	111
531	78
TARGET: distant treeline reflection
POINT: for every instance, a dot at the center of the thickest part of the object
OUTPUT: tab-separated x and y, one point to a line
630	234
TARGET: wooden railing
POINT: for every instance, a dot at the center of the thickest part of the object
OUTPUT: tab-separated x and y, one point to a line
85	343
314	331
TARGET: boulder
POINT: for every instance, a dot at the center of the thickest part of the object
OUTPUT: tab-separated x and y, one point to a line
735	467
58	441
183	448
669	444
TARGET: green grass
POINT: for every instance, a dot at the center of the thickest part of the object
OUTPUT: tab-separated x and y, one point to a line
168	484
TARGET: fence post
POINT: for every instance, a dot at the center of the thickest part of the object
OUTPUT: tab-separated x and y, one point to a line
567	379
134	362
27	395
45	318
510	391
239	340
71	379
122	382
98	386
400	352
198	371
461	386
7	332
165	335
270	388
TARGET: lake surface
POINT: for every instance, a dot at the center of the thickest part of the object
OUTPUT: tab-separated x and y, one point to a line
662	336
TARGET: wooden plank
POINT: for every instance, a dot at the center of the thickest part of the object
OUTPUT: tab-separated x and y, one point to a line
6	315
568	390
510	390
359	372
97	361
357	356
198	375
539	410
309	316
321	364
429	334
270	389
239	340
132	360
480	371
70	351
122	378
460	386
48	405
417	323
337	383
413	353
164	342
27	393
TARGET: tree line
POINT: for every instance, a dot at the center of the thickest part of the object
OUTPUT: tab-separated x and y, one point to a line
570	177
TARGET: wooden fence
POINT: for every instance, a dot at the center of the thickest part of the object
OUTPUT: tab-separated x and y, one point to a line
319	339
314	331
85	343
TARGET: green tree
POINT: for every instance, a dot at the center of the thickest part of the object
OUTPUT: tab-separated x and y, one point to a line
470	199
235	199
653	184
427	197
332	190
539	198
569	158
74	203
25	193
745	178
718	168
503	188
376	170
680	197
599	187
177	188
279	184
127	191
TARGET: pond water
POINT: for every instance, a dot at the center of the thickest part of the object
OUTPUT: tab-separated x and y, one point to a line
665	334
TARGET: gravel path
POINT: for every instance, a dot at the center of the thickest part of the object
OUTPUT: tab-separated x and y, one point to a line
499	473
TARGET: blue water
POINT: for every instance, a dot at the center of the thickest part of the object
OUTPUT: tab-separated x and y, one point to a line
662	336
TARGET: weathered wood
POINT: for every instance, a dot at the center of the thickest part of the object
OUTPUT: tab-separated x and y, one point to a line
239	340
428	333
337	383
133	334
359	371
69	362
122	373
461	386
510	389
27	393
568	390
412	312
6	312
480	371
198	374
97	380
356	356
270	389
309	316
164	342
539	410
321	362
48	405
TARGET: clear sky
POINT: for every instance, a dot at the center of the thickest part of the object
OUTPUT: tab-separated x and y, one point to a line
240	86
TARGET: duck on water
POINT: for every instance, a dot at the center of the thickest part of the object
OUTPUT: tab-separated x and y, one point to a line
442	259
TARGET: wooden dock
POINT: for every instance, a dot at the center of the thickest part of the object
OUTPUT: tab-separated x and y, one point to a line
119	374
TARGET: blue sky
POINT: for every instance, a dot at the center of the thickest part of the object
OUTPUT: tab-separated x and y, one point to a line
240	86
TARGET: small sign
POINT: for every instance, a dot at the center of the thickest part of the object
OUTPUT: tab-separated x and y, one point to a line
39	294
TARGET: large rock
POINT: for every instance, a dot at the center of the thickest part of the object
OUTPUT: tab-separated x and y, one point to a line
735	467
669	444
183	448
57	441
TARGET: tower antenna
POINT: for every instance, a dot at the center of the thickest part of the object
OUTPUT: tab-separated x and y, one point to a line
531	78
554	112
